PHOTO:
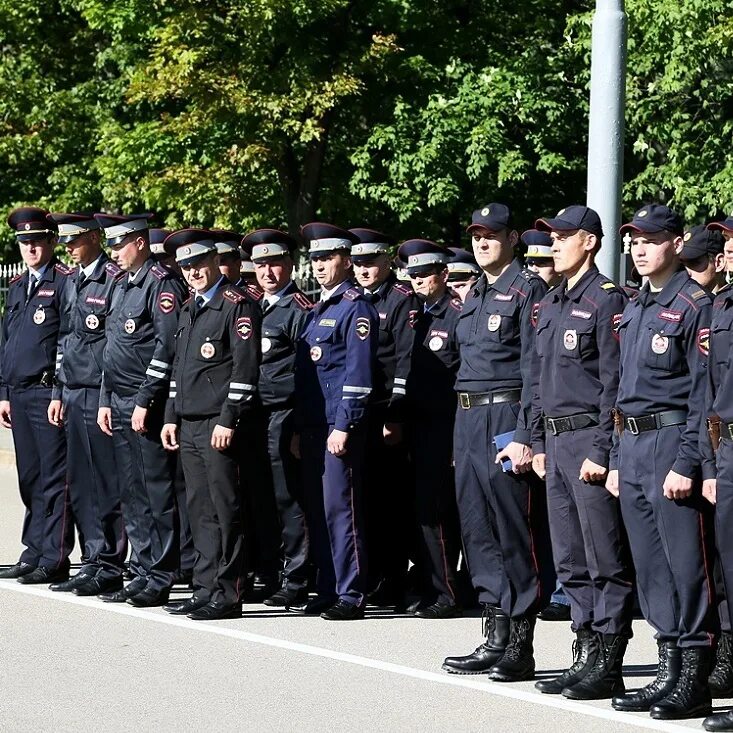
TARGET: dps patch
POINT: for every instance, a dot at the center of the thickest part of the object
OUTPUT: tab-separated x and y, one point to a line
166	302
243	327
363	327
703	341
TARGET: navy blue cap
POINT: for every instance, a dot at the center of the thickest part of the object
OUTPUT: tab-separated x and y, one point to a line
462	265
263	244
327	238
370	244
116	228
227	241
573	217
31	222
701	240
157	243
722	226
191	245
422	255
538	243
654	218
72	226
493	217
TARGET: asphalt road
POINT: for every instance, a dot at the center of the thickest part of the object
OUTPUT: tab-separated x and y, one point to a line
77	665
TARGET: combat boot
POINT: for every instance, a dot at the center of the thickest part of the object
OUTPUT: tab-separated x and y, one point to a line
721	678
517	663
604	680
495	628
691	695
585	651
668	672
719	722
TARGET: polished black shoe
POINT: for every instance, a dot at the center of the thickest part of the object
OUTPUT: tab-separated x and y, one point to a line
149	597
313	607
215	610
120	596
96	586
17	570
183	608
721	678
691	696
517	662
585	651
439	610
495	628
668	671
555	612
719	722
343	611
287	597
604	680
42	575
66	586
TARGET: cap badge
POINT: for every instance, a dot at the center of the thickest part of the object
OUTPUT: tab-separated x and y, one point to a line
129	326
186	250
265	250
660	344
561	212
485	211
412	260
688	236
532	250
642	213
39	316
570	339
27	226
494	322
92	322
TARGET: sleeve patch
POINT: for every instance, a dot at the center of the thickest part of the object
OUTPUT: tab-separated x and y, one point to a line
363	327
615	323
233	296
166	302
243	327
412	318
703	341
535	314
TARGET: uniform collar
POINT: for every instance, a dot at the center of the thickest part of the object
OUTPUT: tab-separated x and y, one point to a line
278	298
439	307
42	272
503	283
337	291
669	291
140	275
96	270
576	293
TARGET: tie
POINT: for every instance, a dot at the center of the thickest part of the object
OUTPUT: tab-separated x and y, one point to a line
32	280
80	280
198	304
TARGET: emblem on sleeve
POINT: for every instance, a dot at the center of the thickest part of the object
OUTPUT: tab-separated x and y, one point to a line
494	322
534	315
660	343
412	318
703	341
244	327
166	302
615	323
570	339
316	353
92	322
363	327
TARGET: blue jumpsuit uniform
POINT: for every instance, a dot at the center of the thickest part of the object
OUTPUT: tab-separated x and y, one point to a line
496	337
334	366
33	327
664	351
577	375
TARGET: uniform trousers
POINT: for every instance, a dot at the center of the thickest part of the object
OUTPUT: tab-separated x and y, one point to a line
93	485
723	524
187	552
146	494
40	454
669	542
588	541
334	513
215	510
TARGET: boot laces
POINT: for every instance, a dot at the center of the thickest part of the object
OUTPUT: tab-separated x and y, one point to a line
722	674
517	636
685	688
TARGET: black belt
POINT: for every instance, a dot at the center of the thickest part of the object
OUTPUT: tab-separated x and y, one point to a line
636	425
557	425
467	400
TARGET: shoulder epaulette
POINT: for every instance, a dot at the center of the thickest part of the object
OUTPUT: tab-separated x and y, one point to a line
528	275
63	269
254	292
403	289
698	293
352	294
609	286
302	301
456	304
16	278
114	271
233	296
160	272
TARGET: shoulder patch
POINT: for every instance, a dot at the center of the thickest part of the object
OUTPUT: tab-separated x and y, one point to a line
301	300
166	302
63	269
233	296
403	289
352	294
254	292
455	303
113	270
160	272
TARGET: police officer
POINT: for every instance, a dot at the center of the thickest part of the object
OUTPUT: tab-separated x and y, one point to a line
463	272
276	475
388	502
33	327
91	475
538	257
333	382
492	451
138	356
703	257
431	408
577	382
162	255
212	390
664	336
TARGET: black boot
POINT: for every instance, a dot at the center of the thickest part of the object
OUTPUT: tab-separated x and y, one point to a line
719	722
585	651
668	671
604	680
721	678
518	661
495	628
691	695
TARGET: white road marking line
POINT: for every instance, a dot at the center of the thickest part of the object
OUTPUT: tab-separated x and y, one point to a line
493	688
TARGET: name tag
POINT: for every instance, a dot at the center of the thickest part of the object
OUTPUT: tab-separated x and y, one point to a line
671	316
580	314
505	298
327	322
91	300
45	293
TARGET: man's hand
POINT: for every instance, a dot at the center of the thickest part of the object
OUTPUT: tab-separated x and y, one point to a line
709	489
138	419
519	454
336	443
392	433
676	486
612	483
5	414
221	437
56	413
104	420
591	471
295	445
169	437
538	465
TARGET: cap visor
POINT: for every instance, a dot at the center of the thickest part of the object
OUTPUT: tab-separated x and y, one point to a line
555	225
719	226
645	229
32	237
492	226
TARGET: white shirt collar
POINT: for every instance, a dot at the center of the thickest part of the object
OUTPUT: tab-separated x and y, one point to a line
209	294
89	269
274	297
326	294
38	274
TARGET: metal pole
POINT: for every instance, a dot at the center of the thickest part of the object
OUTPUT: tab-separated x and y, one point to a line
606	128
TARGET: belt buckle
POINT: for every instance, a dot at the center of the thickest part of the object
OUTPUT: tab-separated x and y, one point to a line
631	425
464	400
551	425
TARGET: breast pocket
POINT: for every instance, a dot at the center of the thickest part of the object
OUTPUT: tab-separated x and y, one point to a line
721	337
664	349
274	339
92	321
502	321
134	320
578	339
322	343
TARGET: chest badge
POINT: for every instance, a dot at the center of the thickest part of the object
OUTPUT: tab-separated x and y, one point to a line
570	339
266	345
39	316
660	343
92	322
208	350
316	353
435	343
130	326
494	322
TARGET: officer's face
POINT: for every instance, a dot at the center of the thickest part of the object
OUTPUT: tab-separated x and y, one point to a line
705	268
229	266
728	250
84	249
130	253
493	249
430	286
543	269
274	273
372	272
37	252
331	269
655	253
203	273
570	250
